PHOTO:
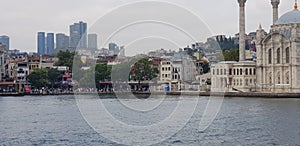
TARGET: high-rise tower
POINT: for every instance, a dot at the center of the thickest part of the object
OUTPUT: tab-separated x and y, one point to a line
78	35
242	31
275	4
92	41
50	43
4	40
41	43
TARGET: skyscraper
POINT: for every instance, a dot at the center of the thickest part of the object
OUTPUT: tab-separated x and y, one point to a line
41	43
92	41
62	41
4	40
78	35
50	43
113	47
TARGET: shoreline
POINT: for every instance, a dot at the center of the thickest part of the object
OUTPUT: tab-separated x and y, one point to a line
200	94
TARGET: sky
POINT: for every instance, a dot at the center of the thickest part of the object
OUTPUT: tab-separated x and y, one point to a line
21	20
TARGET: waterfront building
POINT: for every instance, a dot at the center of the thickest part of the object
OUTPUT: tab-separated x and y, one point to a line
235	76
177	72
62	41
50	43
41	47
4	40
78	35
92	41
23	71
278	63
277	66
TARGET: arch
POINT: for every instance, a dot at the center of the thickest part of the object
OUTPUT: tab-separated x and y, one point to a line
287	78
270	56
278	77
278	55
287	55
270	78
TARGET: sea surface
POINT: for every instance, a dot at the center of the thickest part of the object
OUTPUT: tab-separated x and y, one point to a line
57	120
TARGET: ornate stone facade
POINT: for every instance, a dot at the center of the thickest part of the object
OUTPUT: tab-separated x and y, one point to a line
278	55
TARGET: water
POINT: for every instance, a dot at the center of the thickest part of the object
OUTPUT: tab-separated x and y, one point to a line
56	120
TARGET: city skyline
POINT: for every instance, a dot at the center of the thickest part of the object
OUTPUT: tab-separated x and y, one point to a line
23	33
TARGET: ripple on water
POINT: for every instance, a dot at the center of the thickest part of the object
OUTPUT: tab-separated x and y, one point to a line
242	121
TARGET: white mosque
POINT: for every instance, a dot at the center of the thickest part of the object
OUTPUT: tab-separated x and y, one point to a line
277	68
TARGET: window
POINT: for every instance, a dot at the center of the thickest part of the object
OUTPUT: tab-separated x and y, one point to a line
254	71
278	56
287	55
230	71
287	75
250	71
237	72
217	71
241	71
224	71
234	72
246	71
270	56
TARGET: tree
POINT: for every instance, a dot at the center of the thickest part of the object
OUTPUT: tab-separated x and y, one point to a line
229	55
44	77
38	78
67	58
53	76
102	72
143	70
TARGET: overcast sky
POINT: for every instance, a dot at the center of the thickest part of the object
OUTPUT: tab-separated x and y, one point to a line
22	19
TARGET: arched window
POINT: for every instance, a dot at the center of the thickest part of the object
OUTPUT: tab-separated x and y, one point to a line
287	78
270	78
278	56
278	78
270	56
246	71
241	72
287	55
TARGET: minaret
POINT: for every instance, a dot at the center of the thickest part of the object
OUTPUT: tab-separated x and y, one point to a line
242	32
296	6
275	4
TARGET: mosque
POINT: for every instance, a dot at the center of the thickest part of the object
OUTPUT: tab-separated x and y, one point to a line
277	67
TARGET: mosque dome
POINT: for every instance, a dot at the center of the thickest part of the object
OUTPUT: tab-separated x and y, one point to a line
291	17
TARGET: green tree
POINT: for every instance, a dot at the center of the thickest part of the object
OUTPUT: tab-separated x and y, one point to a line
68	58
44	77
102	72
229	55
38	78
53	76
143	70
